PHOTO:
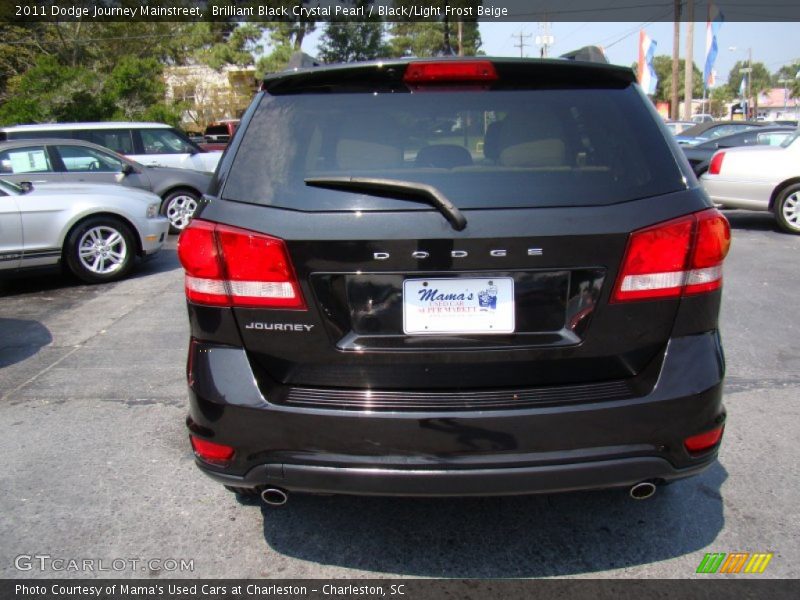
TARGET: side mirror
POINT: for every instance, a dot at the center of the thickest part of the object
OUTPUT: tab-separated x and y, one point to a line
26	186
127	169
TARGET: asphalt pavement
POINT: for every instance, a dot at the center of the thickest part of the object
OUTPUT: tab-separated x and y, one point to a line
97	466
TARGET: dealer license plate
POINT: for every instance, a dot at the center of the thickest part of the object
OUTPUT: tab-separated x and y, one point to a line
458	306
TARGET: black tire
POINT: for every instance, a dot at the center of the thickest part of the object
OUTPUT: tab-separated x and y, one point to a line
95	255
787	209
179	207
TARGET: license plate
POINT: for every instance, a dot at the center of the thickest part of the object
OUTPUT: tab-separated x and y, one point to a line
458	306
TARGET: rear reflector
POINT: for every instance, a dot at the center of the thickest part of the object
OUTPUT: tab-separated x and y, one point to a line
678	257
704	441
715	166
229	266
461	71
210	451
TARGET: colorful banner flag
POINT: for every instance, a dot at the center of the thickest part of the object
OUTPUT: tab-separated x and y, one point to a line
743	86
647	74
715	19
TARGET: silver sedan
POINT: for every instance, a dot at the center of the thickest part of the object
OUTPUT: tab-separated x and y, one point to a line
759	178
94	230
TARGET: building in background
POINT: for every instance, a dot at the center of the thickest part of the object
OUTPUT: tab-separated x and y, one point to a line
210	94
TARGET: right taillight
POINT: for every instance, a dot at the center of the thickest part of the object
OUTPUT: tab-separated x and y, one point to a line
229	266
678	257
715	166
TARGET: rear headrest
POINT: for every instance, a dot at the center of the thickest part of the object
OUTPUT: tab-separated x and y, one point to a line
532	139
447	156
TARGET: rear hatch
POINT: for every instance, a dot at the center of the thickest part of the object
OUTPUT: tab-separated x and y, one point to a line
453	230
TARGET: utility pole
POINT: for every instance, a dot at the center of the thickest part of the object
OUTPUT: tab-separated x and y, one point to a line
676	41
461	38
689	70
545	38
521	44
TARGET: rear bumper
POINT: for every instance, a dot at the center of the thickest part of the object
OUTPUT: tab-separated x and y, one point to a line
469	482
585	445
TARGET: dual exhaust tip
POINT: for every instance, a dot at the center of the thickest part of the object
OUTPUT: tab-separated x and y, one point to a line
278	497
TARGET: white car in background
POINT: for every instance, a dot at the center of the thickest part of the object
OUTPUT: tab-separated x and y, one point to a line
95	230
151	144
759	178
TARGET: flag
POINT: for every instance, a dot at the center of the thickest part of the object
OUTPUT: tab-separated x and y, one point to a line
715	19
647	74
743	86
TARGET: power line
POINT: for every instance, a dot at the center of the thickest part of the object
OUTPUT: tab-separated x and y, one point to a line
521	44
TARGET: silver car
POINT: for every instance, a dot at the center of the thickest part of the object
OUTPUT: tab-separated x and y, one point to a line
56	160
94	230
759	178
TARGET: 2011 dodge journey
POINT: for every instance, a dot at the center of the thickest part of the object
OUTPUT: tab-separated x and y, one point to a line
454	277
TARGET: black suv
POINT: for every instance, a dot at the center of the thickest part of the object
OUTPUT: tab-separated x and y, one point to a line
454	277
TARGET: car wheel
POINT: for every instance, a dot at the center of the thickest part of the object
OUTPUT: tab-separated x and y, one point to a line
179	207
100	249
787	209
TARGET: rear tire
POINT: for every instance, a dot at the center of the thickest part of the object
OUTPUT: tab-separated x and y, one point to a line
787	209
179	207
100	249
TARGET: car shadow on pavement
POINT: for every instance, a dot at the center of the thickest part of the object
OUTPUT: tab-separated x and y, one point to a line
20	339
519	536
751	220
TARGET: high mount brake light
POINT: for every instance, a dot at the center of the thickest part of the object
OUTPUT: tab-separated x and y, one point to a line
229	266
679	257
462	71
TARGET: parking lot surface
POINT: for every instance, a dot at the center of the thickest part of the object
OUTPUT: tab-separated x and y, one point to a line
97	463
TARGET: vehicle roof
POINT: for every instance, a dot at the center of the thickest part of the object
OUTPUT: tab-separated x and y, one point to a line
96	125
389	73
699	128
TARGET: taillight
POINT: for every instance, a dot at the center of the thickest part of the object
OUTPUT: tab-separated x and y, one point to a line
682	256
229	266
465	71
704	441
715	166
211	452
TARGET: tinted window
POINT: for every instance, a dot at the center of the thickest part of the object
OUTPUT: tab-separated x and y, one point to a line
499	149
32	159
78	159
773	139
118	140
165	141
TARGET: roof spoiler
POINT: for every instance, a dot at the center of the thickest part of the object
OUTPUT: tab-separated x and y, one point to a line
587	54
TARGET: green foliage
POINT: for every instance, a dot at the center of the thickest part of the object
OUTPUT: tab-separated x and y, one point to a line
351	41
789	72
663	67
275	61
760	78
50	92
430	38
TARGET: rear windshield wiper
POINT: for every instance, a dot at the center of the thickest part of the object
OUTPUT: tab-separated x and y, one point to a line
395	188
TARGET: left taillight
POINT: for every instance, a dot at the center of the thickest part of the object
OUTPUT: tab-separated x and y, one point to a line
230	266
679	257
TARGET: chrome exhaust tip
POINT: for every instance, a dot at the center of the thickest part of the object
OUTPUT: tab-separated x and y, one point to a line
274	496
643	490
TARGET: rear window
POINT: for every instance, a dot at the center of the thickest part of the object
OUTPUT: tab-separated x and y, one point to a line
217	130
504	149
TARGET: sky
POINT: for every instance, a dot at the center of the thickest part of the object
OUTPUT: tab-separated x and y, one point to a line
774	44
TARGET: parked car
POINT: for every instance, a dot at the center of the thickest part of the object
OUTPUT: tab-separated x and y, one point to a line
94	230
151	144
700	155
702	118
702	132
55	160
676	127
221	131
377	310
759	178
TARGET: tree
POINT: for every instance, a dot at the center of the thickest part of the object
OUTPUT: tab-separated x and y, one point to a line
350	41
51	92
790	73
663	68
760	78
433	38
